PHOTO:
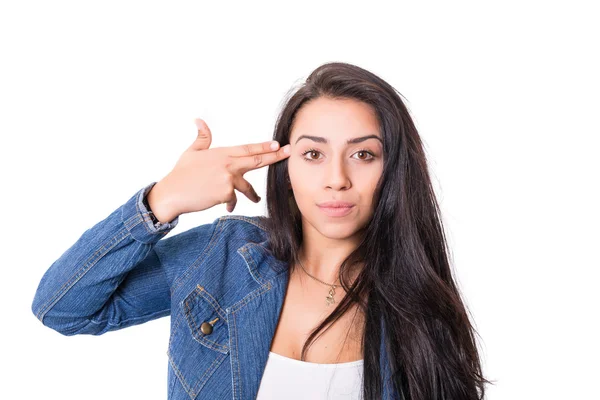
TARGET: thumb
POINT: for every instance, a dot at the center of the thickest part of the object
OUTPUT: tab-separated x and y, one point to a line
204	138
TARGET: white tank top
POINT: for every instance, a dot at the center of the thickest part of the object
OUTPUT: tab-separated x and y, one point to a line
290	379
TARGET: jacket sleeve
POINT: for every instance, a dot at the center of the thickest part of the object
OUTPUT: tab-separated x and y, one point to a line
112	277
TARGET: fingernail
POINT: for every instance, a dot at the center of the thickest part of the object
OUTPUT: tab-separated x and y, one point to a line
274	145
198	123
287	149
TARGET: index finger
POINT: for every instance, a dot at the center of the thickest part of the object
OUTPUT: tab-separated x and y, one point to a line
253	149
245	164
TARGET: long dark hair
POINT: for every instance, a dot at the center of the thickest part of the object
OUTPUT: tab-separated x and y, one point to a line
406	282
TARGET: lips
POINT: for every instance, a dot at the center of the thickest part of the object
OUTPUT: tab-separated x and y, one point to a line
336	204
336	208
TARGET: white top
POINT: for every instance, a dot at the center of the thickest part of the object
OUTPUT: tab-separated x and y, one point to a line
290	379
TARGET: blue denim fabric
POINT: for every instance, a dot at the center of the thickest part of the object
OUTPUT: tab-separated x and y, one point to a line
123	272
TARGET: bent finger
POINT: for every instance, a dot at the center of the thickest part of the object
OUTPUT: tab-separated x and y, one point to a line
243	186
232	202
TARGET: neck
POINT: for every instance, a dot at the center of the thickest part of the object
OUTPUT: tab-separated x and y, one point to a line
322	257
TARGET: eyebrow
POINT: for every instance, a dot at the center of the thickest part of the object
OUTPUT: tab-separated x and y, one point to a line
320	139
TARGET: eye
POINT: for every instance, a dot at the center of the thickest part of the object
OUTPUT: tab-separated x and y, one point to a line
310	151
364	153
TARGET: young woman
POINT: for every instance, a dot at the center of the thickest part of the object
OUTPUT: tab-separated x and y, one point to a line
343	291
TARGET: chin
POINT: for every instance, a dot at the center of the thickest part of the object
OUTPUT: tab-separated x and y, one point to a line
333	229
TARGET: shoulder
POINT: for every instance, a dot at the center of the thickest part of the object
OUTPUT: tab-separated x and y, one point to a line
247	228
226	228
212	245
243	221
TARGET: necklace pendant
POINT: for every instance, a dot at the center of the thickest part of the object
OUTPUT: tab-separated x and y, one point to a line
329	299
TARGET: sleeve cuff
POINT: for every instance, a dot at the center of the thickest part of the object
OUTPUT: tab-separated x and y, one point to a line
137	219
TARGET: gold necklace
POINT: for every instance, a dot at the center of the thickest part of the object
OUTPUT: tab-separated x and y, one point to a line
329	299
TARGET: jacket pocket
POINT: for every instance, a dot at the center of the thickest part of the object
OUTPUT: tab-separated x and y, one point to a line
206	320
199	340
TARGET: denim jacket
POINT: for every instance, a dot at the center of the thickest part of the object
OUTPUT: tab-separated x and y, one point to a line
219	282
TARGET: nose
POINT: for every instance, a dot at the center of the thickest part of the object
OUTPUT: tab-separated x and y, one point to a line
337	177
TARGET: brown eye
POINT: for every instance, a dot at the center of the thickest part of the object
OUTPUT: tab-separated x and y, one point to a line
311	151
366	155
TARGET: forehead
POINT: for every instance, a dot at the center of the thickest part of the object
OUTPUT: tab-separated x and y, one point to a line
335	119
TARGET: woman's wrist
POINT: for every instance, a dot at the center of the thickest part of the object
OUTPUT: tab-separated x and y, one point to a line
156	208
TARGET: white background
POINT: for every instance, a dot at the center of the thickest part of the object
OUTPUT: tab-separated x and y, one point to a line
98	100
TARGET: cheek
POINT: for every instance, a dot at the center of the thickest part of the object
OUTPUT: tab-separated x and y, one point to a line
368	185
295	170
301	177
303	192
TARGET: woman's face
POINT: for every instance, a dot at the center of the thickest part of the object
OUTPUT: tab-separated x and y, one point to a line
324	167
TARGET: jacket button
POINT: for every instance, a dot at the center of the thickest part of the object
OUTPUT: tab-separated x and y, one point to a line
207	327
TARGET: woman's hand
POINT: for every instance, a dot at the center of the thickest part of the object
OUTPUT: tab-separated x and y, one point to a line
203	177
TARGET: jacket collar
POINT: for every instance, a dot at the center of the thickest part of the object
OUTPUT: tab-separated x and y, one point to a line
262	265
253	321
